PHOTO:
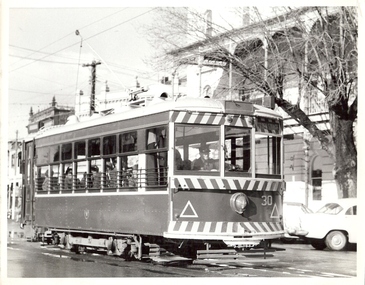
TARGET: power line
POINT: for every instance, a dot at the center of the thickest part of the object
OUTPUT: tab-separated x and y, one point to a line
87	38
37	92
109	63
50	61
72	32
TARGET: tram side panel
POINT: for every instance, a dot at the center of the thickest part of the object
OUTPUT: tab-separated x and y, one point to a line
135	214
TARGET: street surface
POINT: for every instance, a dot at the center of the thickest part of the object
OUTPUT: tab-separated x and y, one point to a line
297	260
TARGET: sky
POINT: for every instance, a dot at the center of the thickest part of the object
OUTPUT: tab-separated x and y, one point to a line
45	57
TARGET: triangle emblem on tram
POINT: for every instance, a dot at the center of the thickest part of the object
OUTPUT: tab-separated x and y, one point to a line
188	211
275	212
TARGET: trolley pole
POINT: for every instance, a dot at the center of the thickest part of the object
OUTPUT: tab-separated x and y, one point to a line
92	80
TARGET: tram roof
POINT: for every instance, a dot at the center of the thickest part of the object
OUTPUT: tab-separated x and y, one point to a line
135	110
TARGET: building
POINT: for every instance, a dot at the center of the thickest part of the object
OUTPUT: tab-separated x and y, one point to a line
14	177
51	116
208	65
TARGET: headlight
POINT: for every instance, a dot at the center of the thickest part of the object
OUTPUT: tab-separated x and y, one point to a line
238	202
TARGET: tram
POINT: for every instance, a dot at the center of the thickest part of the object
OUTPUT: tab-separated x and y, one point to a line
191	172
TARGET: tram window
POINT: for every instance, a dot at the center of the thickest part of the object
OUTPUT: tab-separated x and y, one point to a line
130	174
54	177
109	145
54	153
94	180
197	148
68	177
79	151
42	155
156	138
156	160
67	151
94	147
237	149
81	173
128	141
267	154
40	180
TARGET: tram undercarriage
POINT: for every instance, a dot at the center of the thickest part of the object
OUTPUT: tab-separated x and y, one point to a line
155	248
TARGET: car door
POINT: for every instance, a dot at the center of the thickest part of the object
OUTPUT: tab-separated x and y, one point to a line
351	223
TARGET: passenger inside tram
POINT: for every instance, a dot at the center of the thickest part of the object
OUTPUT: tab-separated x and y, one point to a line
204	162
68	178
95	177
112	173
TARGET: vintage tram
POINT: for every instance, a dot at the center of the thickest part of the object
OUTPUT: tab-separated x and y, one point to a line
189	172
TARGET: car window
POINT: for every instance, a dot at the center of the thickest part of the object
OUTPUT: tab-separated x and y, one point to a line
331	208
352	211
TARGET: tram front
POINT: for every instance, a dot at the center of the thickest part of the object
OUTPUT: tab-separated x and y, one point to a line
227	180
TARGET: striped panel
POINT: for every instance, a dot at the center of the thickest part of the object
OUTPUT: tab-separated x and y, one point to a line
209	119
215	228
226	184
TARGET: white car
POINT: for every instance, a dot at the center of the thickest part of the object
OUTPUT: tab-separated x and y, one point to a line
332	226
292	217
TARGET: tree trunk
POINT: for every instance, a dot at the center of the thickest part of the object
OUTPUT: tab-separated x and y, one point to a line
345	170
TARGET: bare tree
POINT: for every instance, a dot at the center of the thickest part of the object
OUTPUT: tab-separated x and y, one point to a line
313	48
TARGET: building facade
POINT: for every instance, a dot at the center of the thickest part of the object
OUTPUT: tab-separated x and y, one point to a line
14	177
51	116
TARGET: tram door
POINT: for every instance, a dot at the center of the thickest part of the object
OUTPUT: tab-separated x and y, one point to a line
28	184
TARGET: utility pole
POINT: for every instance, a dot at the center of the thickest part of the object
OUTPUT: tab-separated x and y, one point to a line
93	80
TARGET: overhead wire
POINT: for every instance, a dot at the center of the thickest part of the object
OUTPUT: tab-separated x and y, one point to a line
126	21
73	33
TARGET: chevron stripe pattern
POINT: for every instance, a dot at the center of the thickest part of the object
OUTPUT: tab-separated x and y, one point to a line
187	117
226	184
215	228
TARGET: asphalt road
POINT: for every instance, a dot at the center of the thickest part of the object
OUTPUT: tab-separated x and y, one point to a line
32	259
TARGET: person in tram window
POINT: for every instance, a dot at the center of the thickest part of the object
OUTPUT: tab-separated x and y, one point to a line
96	177
47	181
203	162
112	173
68	178
83	180
178	160
133	179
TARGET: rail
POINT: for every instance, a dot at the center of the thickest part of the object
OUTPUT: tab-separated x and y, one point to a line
115	181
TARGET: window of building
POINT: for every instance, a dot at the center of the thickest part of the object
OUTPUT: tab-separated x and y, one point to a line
316	178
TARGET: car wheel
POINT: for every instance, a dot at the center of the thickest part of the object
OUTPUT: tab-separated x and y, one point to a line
318	244
336	240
